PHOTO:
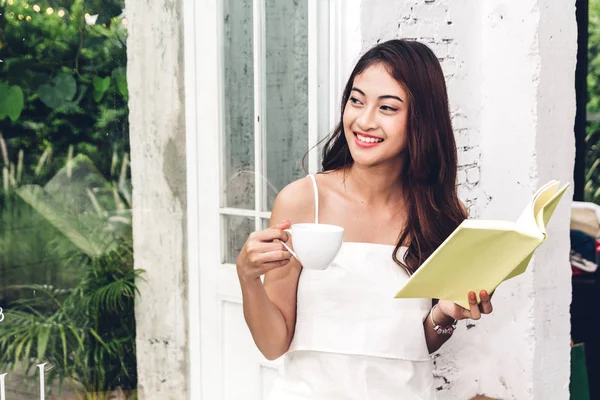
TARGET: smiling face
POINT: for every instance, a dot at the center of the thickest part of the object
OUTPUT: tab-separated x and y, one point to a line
375	117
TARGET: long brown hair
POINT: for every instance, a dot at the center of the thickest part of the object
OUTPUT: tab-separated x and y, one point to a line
429	172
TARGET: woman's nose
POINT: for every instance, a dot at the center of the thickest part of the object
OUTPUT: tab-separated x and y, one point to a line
367	120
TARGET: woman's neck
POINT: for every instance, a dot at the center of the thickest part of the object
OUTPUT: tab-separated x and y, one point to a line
375	185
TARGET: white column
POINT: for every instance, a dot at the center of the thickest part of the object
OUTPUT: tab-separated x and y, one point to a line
157	131
555	154
509	67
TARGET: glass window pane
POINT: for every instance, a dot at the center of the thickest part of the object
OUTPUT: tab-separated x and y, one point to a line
67	277
286	31
238	107
236	230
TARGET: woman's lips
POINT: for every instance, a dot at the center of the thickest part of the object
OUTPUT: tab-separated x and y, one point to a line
366	141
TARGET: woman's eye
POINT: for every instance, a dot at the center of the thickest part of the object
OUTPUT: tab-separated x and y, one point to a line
354	100
388	108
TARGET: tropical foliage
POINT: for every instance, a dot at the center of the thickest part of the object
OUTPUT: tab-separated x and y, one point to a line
592	187
67	283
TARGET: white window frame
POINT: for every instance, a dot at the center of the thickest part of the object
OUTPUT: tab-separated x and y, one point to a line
329	63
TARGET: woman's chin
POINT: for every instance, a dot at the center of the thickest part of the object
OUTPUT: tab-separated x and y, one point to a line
366	162
375	160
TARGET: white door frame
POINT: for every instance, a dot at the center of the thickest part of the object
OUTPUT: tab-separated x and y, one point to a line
203	99
202	119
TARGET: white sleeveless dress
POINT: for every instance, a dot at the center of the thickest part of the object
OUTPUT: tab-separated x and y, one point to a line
353	340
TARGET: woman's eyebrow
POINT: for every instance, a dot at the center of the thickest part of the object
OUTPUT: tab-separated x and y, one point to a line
387	96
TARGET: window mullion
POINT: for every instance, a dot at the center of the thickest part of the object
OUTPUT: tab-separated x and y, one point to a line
259	107
313	85
335	56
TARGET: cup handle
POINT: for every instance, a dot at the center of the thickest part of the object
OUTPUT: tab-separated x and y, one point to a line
288	247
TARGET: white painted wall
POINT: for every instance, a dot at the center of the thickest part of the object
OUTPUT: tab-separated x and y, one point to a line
555	150
510	68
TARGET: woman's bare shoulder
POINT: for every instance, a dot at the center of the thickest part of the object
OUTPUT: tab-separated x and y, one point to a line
295	202
332	183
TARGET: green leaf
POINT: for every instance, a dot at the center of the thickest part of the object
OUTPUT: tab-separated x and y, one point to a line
119	71
60	92
82	91
100	87
34	126
122	85
120	76
11	102
64	343
77	336
66	86
42	342
20	347
27	350
98	338
49	96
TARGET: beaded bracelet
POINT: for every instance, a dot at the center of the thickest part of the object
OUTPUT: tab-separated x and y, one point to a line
442	330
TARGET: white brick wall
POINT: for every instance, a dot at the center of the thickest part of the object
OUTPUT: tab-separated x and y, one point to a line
446	27
509	67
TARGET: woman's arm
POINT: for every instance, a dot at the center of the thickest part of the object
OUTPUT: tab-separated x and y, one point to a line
268	314
445	312
270	307
435	341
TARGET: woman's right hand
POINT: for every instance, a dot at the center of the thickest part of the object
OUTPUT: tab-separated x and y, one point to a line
263	252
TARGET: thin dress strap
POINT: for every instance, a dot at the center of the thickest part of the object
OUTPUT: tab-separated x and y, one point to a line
316	191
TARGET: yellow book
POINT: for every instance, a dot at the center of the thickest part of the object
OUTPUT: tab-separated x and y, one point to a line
481	254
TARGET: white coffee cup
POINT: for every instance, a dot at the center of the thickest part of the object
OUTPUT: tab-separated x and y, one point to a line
315	245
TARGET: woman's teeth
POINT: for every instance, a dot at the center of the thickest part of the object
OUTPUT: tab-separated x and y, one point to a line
368	139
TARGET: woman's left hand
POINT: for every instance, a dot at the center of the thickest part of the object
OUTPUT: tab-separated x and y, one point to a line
457	312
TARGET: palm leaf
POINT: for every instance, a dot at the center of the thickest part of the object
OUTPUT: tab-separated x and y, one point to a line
42	341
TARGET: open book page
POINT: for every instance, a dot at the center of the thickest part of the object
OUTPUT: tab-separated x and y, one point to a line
544	213
478	255
543	208
521	267
527	222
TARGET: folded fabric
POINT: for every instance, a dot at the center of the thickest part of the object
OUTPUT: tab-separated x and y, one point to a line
583	244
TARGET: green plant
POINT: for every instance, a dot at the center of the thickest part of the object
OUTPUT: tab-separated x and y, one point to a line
88	335
63	91
68	282
31	249
592	140
48	224
82	323
63	78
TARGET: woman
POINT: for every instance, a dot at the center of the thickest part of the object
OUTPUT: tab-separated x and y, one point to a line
389	175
